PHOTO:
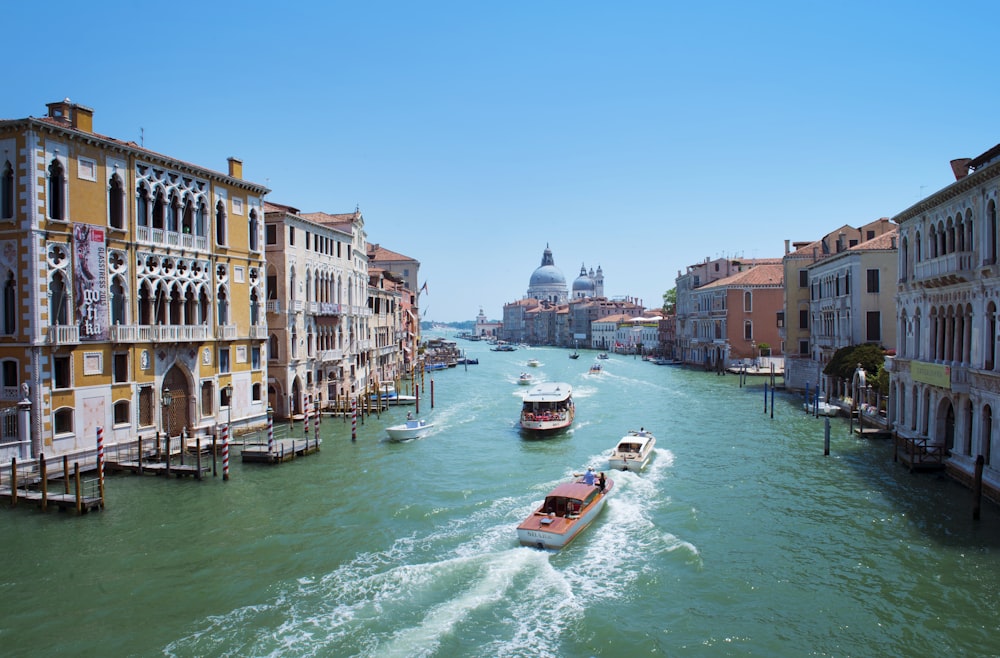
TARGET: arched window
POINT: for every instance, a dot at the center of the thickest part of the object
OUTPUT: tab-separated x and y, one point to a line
994	234
187	220
7	191
986	449
199	221
116	202
223	305
9	305
58	300
159	209
9	372
272	348
991	336
117	302
295	343
62	420
123	412
57	190
142	206
173	213
220	223
747	301
254	231
254	308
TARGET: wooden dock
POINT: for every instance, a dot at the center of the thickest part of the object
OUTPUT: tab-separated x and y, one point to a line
283	450
29	483
919	454
184	457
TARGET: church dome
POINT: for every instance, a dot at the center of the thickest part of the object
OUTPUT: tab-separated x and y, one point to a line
547	275
547	281
583	285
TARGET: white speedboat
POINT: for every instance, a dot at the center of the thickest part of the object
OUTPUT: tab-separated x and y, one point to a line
533	363
566	512
633	451
596	368
548	406
525	379
412	429
821	408
387	392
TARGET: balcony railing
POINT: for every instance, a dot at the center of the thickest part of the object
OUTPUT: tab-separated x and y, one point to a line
62	334
257	331
225	332
297	305
329	356
179	333
164	237
328	308
274	306
131	333
945	269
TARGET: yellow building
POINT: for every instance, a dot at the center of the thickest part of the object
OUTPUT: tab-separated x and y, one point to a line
134	287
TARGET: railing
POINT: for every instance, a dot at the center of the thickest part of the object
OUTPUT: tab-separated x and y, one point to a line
327	356
226	332
257	331
179	332
161	236
957	265
273	306
918	452
62	334
328	308
297	305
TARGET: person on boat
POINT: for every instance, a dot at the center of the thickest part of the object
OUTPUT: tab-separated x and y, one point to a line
601	481
588	477
409	415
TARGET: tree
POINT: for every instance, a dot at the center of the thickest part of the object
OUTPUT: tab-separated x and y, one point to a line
845	361
670	301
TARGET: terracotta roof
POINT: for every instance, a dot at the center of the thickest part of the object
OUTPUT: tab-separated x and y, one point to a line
771	274
377	252
884	241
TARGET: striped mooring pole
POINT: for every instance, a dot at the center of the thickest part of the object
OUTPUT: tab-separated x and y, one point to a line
354	419
225	452
100	461
270	431
306	420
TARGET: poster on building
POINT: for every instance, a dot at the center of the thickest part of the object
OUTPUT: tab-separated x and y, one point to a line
90	287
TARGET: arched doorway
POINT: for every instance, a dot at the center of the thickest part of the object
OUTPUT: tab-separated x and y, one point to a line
947	424
276	400
177	415
295	403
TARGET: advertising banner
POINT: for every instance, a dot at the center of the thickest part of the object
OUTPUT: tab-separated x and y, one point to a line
90	282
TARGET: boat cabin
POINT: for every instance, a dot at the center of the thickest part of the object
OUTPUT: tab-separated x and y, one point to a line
569	500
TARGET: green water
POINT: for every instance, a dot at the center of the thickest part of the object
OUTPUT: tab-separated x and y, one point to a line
740	538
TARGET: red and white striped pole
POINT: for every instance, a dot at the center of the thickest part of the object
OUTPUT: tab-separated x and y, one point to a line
354	419
306	426
225	452
270	431
100	456
318	414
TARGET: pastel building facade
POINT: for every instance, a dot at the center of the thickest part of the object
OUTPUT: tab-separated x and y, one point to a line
945	375
133	288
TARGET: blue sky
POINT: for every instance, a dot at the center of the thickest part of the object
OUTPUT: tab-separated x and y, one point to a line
639	136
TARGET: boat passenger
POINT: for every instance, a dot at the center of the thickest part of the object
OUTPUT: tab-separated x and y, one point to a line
601	481
588	477
409	415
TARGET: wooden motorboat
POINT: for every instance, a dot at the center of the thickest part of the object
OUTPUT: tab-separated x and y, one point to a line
548	406
412	429
566	512
633	451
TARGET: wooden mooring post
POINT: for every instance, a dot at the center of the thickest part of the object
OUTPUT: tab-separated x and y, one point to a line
977	488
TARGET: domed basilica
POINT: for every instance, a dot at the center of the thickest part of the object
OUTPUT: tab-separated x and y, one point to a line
548	284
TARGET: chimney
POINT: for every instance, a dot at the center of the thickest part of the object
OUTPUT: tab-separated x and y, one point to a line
235	168
786	246
960	167
892	242
73	115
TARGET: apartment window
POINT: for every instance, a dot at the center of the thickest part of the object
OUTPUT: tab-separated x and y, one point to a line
7	191
58	300
803	278
220	223
874	326
872	280
747	301
272	348
142	206
224	359
803	318
747	330
225	397
61	372
781	319
145	406
254	230
255	392
120	367
255	357
9	371
9	305
291	236
62	420
804	347
122	412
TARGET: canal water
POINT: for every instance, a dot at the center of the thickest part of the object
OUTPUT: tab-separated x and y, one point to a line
740	538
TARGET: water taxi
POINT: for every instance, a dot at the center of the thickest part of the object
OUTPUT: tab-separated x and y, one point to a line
525	379
566	511
548	406
633	451
595	369
533	363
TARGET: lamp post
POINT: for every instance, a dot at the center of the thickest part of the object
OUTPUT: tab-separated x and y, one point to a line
165	400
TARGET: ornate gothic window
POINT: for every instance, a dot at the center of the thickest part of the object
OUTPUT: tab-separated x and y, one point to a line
57	191
116	202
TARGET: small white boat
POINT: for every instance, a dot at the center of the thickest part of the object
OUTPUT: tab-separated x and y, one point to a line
411	429
602	355
388	394
633	451
566	512
533	363
821	408
525	379
595	369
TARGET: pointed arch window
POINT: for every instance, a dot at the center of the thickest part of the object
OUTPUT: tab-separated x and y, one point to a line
173	213
199	220
159	209
220	223
9	305
187	221
254	230
142	206
116	202
272	348
58	300
254	308
57	191
223	306
117	302
7	191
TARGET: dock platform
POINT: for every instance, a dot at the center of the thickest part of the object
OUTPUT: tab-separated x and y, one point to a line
284	450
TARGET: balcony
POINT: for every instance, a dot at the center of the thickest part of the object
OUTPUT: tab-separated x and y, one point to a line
9	393
179	333
131	333
225	332
159	236
273	306
297	305
945	270
328	308
330	356
62	334
258	331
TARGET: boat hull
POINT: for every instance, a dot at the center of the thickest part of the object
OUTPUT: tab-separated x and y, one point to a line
546	531
633	452
409	430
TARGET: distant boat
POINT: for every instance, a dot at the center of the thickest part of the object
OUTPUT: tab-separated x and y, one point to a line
533	363
595	369
633	451
389	395
602	355
503	347
468	362
574	355
525	379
